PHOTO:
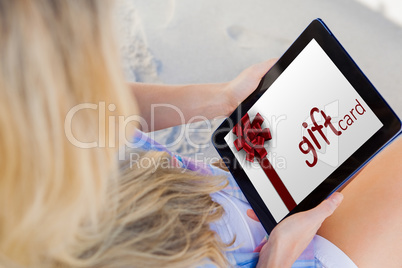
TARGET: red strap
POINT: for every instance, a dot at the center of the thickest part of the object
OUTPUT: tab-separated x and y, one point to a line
277	183
251	138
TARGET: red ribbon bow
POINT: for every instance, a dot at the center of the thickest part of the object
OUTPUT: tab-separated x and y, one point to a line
251	138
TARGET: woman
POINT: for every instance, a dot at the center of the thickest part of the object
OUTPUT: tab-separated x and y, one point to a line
66	204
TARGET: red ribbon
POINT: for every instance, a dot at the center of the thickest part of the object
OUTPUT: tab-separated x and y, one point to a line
251	138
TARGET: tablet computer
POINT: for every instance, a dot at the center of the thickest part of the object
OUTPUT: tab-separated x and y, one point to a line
311	124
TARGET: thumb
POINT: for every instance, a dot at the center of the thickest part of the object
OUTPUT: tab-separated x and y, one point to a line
327	207
260	69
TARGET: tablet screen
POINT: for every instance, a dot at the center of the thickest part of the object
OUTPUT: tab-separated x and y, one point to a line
316	119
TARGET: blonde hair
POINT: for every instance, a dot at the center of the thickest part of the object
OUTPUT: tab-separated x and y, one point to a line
65	206
163	217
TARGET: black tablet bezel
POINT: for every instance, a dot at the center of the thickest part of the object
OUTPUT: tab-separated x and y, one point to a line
391	123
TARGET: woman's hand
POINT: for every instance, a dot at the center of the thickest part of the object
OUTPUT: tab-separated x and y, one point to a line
291	236
244	84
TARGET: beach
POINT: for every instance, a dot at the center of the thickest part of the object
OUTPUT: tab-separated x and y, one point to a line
187	41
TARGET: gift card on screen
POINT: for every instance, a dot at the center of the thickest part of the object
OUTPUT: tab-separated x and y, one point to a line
316	123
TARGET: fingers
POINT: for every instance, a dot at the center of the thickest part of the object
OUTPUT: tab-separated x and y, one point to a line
266	65
326	208
260	69
317	214
269	63
261	245
252	215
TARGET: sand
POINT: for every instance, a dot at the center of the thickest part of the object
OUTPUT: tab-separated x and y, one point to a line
189	41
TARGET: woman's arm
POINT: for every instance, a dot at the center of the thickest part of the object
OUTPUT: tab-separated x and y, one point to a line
164	106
